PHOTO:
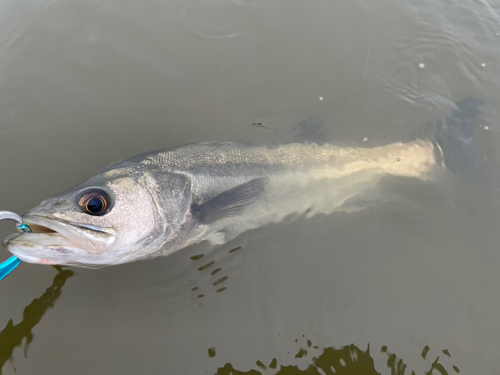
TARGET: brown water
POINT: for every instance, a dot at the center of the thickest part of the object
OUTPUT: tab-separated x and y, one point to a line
408	285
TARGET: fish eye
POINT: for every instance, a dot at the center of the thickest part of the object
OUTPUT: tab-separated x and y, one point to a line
94	202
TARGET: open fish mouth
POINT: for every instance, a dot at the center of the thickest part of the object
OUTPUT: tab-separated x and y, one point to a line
54	241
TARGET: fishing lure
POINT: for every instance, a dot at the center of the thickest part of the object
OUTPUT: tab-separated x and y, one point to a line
10	264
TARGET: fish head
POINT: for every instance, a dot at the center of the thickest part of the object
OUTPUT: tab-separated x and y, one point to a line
115	217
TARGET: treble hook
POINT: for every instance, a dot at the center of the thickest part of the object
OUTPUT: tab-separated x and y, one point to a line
10	264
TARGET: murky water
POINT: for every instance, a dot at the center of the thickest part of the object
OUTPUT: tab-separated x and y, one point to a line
408	285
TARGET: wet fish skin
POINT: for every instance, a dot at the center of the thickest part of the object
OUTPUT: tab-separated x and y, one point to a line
163	201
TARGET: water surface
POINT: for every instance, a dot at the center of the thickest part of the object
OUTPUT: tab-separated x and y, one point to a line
407	285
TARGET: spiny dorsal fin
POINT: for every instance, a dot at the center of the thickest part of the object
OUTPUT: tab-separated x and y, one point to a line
311	130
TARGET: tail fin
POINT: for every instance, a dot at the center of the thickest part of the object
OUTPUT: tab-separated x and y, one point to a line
455	136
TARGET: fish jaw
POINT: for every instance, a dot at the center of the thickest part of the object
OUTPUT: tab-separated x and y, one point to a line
59	242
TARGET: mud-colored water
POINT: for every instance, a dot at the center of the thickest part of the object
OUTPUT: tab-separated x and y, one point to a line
410	284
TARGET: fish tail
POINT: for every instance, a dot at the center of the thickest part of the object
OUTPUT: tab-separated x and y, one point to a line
455	138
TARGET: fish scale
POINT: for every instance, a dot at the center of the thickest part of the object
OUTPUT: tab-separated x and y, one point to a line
162	201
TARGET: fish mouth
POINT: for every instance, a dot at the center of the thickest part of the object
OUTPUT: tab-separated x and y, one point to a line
55	241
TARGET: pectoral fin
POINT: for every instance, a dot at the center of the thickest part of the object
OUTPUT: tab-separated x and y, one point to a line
230	202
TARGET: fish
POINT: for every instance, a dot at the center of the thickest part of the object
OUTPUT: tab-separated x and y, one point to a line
160	202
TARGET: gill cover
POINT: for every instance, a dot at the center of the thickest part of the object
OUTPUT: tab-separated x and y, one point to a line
171	194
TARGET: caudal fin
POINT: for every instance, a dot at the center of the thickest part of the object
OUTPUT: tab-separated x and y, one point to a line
455	136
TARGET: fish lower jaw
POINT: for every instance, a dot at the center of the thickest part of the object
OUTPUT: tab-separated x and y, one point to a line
60	256
63	253
36	260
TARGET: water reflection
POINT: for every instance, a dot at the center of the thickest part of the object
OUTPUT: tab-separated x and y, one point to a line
347	360
12	335
215	282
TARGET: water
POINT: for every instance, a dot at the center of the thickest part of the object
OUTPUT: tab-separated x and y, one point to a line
84	84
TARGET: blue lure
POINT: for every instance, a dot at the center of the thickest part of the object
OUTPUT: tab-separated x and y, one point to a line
10	264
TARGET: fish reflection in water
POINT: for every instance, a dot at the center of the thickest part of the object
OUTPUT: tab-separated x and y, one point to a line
13	335
160	202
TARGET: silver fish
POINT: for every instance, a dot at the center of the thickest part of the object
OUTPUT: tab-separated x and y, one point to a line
160	202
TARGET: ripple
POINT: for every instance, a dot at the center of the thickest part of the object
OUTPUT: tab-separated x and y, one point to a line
235	249
216	271
206	266
219	281
40	3
216	18
197	257
210	276
433	57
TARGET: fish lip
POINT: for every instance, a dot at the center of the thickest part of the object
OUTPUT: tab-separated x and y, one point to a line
38	260
76	233
88	227
45	222
58	225
51	261
80	247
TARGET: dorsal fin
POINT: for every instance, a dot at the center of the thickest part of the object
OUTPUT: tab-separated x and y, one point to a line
311	130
